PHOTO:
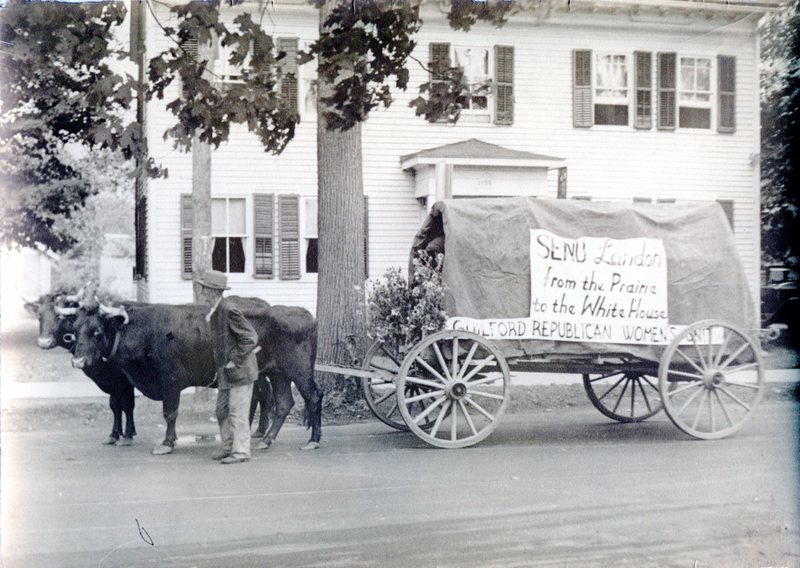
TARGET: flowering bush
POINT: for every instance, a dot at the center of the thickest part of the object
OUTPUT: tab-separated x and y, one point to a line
401	313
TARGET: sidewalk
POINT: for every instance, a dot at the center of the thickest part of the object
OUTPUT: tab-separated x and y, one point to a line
48	374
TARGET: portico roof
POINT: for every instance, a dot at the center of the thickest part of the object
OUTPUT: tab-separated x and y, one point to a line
474	152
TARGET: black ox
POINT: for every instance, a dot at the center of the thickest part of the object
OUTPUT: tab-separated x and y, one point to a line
163	349
57	315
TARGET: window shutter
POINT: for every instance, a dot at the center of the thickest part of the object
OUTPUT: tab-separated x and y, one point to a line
666	91
439	60
727	207
289	63
289	231
582	88
187	222
366	236
644	90
726	72
264	226
504	84
189	47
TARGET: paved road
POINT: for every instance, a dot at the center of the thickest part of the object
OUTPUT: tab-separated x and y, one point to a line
564	488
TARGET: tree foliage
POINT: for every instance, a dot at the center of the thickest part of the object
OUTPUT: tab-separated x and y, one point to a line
366	43
56	91
108	209
206	107
780	110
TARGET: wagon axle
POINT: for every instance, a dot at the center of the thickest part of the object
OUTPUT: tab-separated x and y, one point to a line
456	391
713	379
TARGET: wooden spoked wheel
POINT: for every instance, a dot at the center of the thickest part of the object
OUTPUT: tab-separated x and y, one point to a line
624	396
465	382
379	391
711	378
384	360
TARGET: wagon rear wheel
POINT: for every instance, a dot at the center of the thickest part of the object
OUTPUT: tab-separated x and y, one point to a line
624	396
711	378
465	382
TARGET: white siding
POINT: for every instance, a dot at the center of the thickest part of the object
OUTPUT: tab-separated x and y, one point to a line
608	163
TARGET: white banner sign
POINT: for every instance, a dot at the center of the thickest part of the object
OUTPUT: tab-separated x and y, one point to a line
598	289
529	328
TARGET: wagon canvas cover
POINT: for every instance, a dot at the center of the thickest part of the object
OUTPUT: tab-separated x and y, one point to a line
487	260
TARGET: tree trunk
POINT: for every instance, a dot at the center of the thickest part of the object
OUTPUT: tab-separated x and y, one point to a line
201	212
202	242
201	196
340	284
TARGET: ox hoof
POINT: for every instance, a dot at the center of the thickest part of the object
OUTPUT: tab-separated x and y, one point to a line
110	441
264	444
310	446
162	450
125	441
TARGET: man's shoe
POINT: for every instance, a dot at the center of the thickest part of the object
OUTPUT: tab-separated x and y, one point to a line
220	454
235	458
264	444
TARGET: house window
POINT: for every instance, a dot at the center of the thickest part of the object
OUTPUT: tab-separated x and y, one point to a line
694	92
682	95
224	70
308	86
474	62
487	77
310	236
611	89
288	82
229	229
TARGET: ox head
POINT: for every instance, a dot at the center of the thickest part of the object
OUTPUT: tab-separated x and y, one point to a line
56	320
95	335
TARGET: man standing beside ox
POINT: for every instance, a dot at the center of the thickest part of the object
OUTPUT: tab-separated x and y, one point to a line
235	346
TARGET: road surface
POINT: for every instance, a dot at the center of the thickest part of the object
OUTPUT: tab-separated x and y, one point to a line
561	488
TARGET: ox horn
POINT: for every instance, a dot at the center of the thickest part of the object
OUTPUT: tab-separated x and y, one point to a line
114	312
75	297
28	300
65	311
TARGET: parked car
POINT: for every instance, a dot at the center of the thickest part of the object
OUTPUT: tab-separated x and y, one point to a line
780	298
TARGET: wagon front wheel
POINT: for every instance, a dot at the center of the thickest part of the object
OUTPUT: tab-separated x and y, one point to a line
465	382
624	396
384	360
711	378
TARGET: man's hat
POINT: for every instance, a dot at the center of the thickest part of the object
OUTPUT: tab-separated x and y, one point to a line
213	279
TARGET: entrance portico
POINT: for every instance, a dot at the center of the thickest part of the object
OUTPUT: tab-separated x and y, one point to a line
474	168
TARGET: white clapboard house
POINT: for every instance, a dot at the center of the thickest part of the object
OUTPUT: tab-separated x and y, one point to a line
623	100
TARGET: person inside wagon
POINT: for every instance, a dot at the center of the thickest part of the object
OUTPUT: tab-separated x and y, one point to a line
235	345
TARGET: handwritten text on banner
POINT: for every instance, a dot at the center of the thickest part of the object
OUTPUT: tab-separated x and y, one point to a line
599	289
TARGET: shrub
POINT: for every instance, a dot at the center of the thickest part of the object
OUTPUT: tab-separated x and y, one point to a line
400	312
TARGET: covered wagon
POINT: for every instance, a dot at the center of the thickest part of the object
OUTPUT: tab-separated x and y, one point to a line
649	302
